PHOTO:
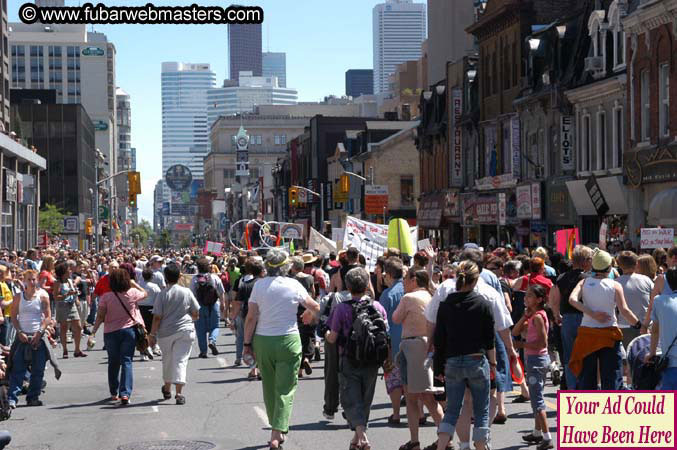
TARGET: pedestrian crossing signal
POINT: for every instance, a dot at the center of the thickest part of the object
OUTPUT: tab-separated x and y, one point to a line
132	200
134	182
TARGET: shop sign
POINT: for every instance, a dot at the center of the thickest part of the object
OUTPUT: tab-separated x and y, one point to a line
651	165
452	207
480	209
183	227
516	147
10	186
501	208
375	199
328	191
457	141
292	230
430	212
523	202
559	208
93	51
596	196
536	201
100	125
490	150
566	137
657	237
71	225
538	226
178	177
505	181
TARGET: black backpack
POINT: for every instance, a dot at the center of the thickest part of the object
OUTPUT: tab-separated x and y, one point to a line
206	292
368	342
330	300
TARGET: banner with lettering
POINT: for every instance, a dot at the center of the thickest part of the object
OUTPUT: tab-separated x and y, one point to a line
371	239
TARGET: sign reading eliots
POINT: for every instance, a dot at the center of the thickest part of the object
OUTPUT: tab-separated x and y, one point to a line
566	136
616	419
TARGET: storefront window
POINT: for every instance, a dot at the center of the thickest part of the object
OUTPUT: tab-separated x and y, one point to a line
407	191
7	232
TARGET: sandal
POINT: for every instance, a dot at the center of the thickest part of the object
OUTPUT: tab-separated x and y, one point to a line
180	399
65	355
166	394
354	446
433	446
521	399
79	355
411	446
392	420
365	446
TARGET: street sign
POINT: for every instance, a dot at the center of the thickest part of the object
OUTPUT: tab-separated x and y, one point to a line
375	199
103	212
71	225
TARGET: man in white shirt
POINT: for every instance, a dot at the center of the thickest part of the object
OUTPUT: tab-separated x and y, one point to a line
156	263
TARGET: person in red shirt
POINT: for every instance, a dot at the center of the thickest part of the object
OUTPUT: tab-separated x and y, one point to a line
535	276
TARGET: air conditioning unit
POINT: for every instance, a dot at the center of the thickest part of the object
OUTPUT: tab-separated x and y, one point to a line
594	64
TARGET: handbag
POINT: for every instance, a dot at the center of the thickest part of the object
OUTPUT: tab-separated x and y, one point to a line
140	333
651	372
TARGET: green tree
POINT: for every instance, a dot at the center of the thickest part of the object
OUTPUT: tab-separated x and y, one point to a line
163	239
142	232
185	242
51	220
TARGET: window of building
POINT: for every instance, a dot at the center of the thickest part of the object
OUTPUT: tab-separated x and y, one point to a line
601	140
494	74
645	105
618	36
664	99
407	191
618	138
586	144
515	64
254	173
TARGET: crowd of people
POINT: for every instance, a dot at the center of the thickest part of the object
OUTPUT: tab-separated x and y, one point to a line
452	331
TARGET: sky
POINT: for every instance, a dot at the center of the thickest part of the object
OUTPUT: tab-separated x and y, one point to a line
322	39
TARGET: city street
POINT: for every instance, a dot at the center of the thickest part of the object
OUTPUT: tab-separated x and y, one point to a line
222	408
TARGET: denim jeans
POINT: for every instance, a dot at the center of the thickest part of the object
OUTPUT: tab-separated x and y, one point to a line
207	323
472	372
120	346
669	380
610	363
92	310
537	369
570	324
357	385
24	354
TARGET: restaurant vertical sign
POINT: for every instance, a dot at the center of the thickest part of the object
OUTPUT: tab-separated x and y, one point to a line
457	138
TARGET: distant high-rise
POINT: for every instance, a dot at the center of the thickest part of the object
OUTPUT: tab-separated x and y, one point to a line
275	65
399	28
4	74
244	49
359	82
185	136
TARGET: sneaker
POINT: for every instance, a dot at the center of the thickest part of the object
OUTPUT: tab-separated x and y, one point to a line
545	445
318	357
180	399
34	402
237	363
124	400
145	358
12	404
327	415
212	347
157	351
531	439
202	355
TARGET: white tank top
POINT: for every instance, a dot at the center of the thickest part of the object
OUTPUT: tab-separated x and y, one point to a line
599	295
30	313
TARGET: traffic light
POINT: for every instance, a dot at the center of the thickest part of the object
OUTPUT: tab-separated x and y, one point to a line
345	184
132	200
293	196
89	228
134	182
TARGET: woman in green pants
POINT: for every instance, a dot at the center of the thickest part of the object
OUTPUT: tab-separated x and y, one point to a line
271	333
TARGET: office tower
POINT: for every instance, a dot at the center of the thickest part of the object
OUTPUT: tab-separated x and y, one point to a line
399	28
275	65
251	92
244	49
359	82
185	135
4	73
447	39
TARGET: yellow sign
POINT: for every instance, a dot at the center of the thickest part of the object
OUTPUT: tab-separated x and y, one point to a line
614	419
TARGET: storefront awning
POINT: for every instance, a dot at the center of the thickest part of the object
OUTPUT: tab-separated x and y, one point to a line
612	191
579	196
663	208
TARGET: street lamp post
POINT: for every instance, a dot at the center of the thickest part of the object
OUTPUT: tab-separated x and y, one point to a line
98	182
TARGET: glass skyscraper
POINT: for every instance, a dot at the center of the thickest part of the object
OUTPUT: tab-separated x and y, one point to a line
244	49
185	135
399	28
275	65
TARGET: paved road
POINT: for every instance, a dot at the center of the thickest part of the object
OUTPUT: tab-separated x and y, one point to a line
222	408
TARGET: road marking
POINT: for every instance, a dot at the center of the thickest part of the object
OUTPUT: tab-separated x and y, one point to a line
547	403
222	362
262	415
155	409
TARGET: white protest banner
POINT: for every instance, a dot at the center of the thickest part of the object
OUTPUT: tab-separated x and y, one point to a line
657	238
602	235
371	239
214	248
320	243
423	244
337	234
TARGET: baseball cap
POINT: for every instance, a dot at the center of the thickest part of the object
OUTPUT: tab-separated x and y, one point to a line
156	258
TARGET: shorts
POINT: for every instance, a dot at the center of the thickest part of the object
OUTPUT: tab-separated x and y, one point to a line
393	379
411	360
65	312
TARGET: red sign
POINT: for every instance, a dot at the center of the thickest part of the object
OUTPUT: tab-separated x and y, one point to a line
375	199
183	226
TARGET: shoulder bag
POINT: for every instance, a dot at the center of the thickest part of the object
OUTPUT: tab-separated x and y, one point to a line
140	333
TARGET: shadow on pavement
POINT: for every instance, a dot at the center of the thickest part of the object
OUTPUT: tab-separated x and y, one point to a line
234	380
83	405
